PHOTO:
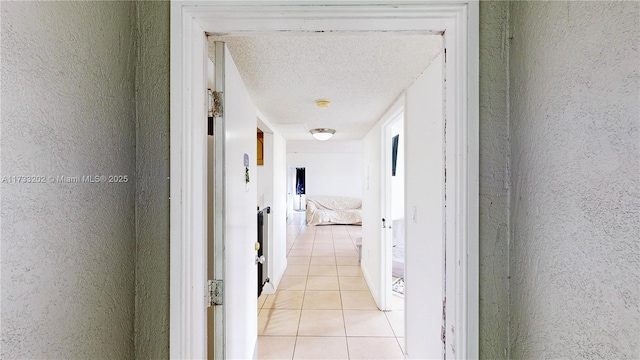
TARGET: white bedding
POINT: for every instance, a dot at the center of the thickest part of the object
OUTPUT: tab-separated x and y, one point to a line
333	210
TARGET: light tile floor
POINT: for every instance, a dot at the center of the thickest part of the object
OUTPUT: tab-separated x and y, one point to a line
323	308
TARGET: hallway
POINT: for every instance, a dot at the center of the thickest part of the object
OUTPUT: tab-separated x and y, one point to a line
323	308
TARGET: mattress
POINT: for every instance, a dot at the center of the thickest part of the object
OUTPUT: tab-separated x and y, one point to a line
323	210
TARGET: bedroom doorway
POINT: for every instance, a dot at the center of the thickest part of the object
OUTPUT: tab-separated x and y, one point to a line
300	188
296	189
394	226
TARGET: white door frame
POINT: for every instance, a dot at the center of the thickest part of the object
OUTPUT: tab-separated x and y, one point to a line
459	20
396	110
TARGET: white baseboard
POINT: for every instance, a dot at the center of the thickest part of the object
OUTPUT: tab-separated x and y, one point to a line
272	285
367	278
255	351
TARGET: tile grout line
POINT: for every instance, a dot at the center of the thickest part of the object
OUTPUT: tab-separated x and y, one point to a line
295	344
344	322
316	236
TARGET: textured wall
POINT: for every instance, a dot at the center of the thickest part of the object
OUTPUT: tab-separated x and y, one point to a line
494	185
152	186
67	248
575	105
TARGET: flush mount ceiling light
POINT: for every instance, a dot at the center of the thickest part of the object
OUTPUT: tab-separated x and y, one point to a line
322	134
323	103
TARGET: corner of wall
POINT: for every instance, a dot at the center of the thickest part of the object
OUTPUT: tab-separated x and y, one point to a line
151	335
494	179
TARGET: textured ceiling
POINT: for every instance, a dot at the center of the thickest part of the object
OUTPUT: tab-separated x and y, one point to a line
362	75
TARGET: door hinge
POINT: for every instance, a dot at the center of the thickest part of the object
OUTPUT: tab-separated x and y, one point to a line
216	98
215	289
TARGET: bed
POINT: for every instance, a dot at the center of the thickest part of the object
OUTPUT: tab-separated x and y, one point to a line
322	210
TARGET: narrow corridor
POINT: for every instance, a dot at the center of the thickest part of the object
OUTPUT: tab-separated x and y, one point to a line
323	308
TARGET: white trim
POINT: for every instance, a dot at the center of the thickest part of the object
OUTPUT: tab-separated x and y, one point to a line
216	52
459	19
177	327
367	279
188	186
462	166
471	241
388	119
454	219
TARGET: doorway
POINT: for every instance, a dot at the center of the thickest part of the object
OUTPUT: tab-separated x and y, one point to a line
300	187
189	22
394	209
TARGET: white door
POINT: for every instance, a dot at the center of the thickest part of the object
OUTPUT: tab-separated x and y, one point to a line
235	218
425	214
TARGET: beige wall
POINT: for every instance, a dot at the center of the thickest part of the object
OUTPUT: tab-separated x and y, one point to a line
68	249
85	90
575	107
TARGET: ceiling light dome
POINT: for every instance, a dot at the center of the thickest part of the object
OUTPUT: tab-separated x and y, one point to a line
322	134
